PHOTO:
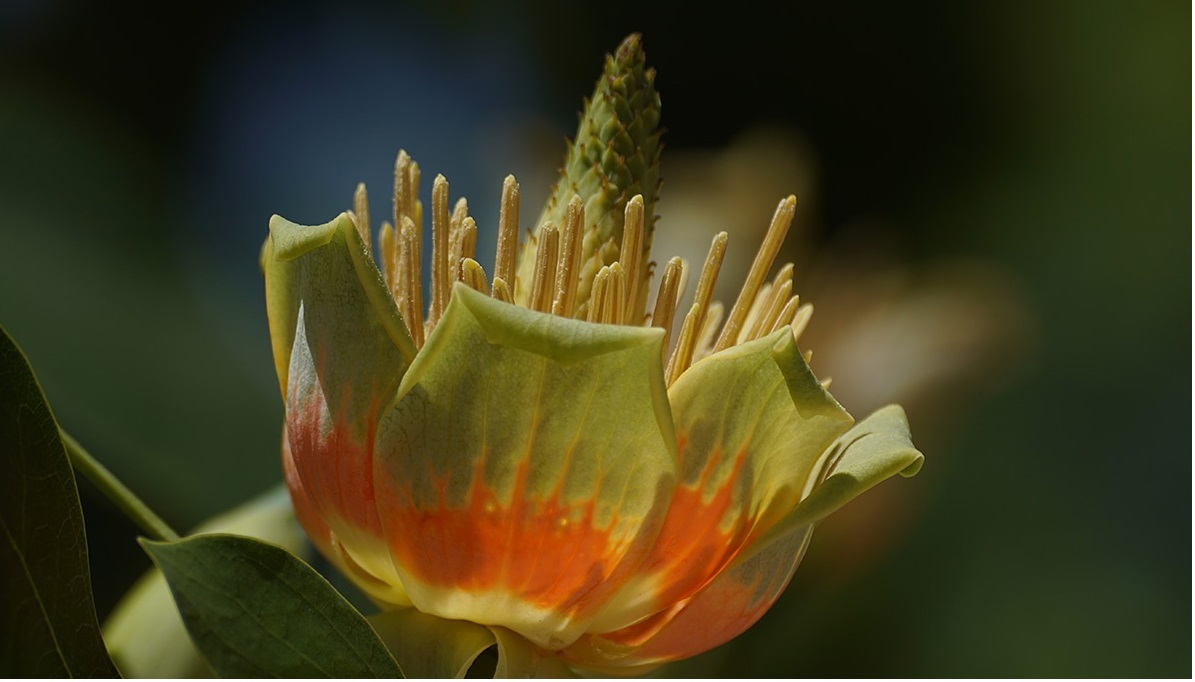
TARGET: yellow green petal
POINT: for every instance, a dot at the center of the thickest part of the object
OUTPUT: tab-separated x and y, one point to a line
519	658
875	449
524	471
341	349
427	647
721	611
752	422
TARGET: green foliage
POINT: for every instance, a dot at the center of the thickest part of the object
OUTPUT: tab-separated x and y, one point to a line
255	610
46	607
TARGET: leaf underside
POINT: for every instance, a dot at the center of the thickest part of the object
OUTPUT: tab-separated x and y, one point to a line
255	610
47	613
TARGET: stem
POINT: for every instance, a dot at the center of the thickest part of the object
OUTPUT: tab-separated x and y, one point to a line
114	490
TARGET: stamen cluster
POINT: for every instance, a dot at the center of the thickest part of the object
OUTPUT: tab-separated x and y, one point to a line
762	307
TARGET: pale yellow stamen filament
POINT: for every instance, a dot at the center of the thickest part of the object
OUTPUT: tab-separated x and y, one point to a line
414	205
753	315
786	316
473	275
406	191
709	331
508	234
410	293
387	248
441	274
683	355
570	258
547	258
502	291
666	299
459	212
616	291
597	299
456	226
466	244
631	258
782	288
768	320
361	215
614	308
759	269
804	313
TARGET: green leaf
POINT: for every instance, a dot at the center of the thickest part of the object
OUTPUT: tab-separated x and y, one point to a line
145	634
429	647
46	610
255	610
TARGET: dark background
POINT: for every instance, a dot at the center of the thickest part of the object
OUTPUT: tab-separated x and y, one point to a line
144	147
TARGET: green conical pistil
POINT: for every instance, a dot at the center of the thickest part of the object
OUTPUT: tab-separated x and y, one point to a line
616	155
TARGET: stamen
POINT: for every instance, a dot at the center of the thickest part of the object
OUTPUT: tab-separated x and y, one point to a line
607	253
546	259
801	320
597	300
615	306
415	206
709	331
459	212
683	355
570	258
683	285
387	248
781	221
361	215
402	191
456	223
753	315
786	316
666	300
466	244
782	287
406	205
410	298
473	275
502	291
441	274
775	307
631	257
508	234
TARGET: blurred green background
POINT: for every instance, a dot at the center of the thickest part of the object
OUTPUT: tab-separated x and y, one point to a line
145	146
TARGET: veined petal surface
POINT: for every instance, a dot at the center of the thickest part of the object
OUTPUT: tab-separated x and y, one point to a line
526	468
873	450
752	422
868	453
341	350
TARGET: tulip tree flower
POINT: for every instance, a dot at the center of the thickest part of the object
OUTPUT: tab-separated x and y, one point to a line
538	459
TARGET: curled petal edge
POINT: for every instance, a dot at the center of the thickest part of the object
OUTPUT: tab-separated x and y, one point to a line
873	450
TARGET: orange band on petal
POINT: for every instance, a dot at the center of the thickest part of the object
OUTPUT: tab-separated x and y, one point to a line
335	466
547	553
703	531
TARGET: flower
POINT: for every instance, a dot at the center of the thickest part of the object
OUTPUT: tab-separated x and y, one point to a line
530	458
